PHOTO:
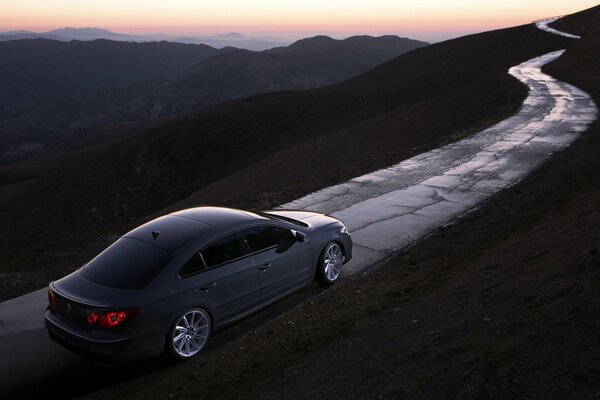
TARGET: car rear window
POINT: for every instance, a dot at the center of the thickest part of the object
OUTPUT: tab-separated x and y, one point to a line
126	264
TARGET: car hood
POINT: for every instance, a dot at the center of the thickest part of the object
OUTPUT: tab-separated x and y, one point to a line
312	219
76	287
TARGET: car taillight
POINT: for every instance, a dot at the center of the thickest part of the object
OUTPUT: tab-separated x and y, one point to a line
51	299
92	318
111	319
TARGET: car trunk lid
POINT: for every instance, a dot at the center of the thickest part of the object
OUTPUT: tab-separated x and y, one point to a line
76	297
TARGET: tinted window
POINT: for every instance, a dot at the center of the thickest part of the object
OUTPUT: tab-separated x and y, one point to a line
223	250
263	237
193	266
126	264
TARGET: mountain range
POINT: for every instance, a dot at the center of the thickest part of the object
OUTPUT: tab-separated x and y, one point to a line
56	86
232	39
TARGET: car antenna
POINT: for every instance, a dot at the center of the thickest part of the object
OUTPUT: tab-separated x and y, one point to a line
155	234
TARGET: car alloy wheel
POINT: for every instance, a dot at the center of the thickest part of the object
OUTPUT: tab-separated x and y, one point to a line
190	333
331	262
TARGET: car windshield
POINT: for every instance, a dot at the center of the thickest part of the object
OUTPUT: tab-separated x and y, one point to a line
281	218
126	264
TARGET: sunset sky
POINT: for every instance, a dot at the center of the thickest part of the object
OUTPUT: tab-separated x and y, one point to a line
430	20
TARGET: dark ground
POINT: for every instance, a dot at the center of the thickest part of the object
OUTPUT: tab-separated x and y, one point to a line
502	304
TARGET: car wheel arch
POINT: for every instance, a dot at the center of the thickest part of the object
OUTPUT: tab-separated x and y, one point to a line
327	242
203	306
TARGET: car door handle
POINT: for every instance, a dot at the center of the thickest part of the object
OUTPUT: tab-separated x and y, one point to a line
208	287
264	267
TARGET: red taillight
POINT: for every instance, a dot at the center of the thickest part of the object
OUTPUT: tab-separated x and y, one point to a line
92	318
51	299
111	318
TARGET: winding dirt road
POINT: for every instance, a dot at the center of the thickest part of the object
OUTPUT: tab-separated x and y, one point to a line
387	210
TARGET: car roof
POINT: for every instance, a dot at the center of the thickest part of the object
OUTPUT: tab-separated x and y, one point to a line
172	231
217	216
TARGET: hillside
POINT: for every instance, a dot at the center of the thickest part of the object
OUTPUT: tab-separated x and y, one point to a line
40	74
303	65
255	152
502	304
41	68
580	62
109	90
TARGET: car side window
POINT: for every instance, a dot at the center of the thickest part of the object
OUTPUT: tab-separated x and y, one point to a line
264	237
193	266
226	249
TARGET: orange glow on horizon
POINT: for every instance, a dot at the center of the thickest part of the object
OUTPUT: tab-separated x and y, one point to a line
349	16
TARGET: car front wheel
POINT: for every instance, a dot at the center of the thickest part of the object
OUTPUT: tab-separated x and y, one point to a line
330	264
189	334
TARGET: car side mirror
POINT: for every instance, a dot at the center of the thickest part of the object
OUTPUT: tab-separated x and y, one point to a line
300	237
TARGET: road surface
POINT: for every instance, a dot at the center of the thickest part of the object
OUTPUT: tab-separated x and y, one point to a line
385	211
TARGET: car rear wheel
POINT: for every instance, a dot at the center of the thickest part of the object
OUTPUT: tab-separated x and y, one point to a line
330	264
189	334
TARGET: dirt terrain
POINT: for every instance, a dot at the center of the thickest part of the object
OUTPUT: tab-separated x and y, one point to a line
502	304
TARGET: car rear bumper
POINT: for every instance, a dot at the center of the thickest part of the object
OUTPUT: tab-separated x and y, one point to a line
106	348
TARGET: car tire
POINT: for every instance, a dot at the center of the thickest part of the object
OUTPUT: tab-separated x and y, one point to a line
330	263
189	334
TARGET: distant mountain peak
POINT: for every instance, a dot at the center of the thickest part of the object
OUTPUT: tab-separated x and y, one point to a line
321	38
313	43
68	29
19	32
231	35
